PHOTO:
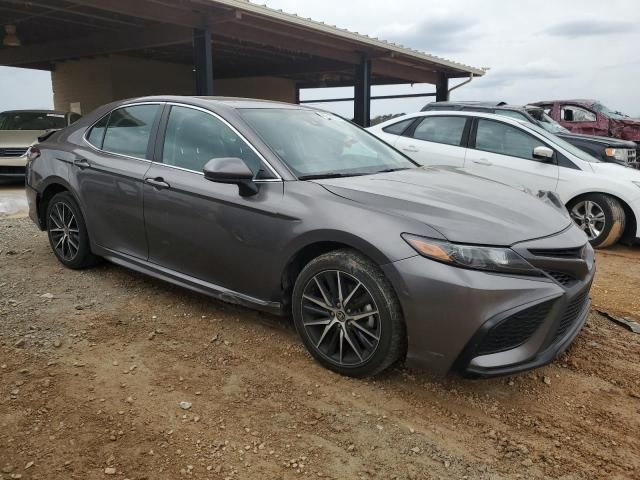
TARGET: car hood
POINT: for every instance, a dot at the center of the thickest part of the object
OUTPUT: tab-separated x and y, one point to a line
627	129
462	207
18	138
616	171
608	141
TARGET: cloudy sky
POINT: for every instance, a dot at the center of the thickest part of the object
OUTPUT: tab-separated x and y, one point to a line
536	50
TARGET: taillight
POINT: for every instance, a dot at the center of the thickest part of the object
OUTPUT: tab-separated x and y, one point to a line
32	153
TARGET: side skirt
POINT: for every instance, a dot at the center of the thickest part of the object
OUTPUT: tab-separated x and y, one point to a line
186	281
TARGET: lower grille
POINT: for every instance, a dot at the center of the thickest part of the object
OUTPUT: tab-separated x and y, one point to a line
515	330
574	309
563	278
12	152
11	170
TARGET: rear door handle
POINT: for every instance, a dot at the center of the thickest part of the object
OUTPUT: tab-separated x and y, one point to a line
82	163
483	161
411	149
157	182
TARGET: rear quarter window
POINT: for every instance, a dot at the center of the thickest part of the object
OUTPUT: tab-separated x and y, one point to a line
398	128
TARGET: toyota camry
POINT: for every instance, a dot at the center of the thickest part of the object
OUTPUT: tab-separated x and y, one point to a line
296	211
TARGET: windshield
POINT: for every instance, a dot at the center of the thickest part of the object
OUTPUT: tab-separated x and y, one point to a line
31	121
546	122
563	144
316	144
598	107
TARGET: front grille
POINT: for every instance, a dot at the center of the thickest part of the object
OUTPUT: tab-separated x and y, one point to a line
563	278
12	152
11	170
514	330
575	307
558	253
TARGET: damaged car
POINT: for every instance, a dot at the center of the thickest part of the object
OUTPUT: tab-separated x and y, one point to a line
591	117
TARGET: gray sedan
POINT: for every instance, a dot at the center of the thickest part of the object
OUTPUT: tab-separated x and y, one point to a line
296	211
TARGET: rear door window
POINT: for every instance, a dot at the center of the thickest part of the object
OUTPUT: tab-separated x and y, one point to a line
447	130
129	130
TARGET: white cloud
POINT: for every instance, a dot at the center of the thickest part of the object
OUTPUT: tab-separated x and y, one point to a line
21	88
536	50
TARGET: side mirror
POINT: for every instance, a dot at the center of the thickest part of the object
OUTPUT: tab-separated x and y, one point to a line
233	171
544	154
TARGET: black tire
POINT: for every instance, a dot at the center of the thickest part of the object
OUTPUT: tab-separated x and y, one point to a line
387	324
63	204
613	214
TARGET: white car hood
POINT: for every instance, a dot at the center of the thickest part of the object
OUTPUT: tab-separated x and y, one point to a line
616	171
18	138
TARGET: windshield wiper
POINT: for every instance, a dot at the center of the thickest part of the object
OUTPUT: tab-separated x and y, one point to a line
330	175
389	170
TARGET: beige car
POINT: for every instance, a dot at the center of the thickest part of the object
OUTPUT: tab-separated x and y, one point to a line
19	129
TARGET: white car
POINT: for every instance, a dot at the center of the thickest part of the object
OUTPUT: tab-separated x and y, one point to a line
19	129
602	198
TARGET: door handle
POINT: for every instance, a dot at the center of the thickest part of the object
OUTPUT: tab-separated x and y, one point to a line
410	149
483	161
157	182
82	163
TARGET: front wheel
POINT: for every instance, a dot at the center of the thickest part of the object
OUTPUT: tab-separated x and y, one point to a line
600	216
347	314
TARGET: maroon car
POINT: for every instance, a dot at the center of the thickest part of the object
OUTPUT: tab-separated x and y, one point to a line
592	118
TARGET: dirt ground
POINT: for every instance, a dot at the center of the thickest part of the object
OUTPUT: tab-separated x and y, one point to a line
94	366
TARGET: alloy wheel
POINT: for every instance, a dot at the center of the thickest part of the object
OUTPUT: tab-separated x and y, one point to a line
341	318
590	218
65	234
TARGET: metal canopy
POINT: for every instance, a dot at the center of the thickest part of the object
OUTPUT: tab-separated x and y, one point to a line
247	40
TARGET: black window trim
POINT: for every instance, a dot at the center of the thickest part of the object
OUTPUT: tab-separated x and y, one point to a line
464	140
474	136
159	142
152	134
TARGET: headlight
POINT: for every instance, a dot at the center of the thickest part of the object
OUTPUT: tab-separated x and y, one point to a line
621	154
637	184
490	259
32	153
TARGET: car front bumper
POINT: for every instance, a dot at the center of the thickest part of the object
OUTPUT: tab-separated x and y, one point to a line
13	167
486	324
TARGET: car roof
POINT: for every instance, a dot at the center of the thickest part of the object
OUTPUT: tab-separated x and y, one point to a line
457	113
57	112
230	102
579	101
478	104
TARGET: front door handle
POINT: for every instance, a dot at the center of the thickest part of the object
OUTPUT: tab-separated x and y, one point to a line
483	161
410	149
82	163
157	182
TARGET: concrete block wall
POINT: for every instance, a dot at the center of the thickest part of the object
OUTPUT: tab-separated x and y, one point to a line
93	82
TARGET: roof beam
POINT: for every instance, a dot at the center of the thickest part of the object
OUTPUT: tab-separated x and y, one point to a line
98	44
383	67
159	12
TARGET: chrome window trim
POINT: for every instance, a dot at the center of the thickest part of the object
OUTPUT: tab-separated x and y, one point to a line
234	130
242	137
93	147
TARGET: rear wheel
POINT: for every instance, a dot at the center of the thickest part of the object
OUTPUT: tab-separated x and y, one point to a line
347	314
68	233
600	216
